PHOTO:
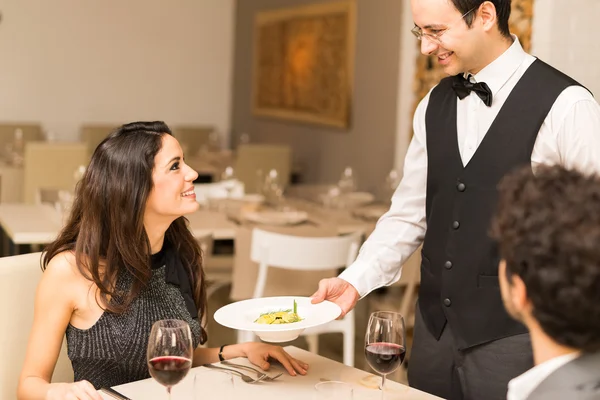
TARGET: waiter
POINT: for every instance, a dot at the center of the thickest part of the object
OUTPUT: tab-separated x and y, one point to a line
499	109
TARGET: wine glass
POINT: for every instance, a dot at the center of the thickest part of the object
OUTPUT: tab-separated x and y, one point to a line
347	182
244	139
385	342
333	390
392	180
273	189
169	352
214	141
228	180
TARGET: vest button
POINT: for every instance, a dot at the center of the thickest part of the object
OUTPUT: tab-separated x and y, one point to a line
455	224
461	187
448	264
447	302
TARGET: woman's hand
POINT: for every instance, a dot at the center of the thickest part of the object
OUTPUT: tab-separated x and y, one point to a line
82	390
259	354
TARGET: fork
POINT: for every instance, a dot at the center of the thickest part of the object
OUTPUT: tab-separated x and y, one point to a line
244	377
258	373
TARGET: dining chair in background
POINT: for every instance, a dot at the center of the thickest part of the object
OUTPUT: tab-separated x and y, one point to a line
19	277
193	137
251	159
93	134
276	250
52	165
31	132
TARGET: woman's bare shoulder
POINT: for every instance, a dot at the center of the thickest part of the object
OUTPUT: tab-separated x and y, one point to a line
63	266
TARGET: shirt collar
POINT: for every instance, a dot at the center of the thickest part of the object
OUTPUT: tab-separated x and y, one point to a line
521	387
497	73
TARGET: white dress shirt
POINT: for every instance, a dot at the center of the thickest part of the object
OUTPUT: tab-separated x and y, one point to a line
569	136
521	387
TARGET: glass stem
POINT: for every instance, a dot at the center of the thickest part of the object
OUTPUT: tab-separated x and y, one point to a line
169	391
382	382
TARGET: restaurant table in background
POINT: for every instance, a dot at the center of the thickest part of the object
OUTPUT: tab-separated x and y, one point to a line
286	387
33	224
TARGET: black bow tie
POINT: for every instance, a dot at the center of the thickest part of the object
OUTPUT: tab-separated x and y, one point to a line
463	87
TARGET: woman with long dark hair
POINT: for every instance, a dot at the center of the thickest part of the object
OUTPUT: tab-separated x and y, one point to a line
124	259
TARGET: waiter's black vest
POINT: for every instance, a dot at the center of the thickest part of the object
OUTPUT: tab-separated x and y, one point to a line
459	271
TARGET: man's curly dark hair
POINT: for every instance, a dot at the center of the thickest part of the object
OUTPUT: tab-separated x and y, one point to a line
548	229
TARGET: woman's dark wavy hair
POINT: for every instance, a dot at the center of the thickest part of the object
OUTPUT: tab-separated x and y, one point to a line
106	223
502	11
548	229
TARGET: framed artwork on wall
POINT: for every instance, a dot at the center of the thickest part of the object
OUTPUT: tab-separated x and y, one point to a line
303	63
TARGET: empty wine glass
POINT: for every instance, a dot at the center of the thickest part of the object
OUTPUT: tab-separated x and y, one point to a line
385	343
392	180
228	180
170	352
79	173
244	139
273	188
333	390
214	141
18	148
347	182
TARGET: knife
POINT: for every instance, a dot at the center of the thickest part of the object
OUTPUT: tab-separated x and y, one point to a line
113	393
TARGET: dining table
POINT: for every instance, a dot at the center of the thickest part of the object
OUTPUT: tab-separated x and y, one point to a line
300	387
38	224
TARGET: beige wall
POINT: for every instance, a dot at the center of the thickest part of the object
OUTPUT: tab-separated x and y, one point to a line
368	146
565	36
65	62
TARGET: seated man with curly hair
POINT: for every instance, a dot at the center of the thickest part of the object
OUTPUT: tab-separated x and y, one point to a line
548	230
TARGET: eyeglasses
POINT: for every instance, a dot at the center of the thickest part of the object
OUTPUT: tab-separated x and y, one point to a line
436	34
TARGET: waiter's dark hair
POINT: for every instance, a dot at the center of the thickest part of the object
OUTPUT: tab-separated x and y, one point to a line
502	11
548	229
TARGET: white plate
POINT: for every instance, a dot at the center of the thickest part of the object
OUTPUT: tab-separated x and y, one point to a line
356	199
269	217
346	200
370	213
252	198
242	314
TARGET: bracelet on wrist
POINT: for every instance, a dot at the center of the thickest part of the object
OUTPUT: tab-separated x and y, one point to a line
221	358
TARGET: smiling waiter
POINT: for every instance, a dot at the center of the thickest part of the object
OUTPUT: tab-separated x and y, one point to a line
499	109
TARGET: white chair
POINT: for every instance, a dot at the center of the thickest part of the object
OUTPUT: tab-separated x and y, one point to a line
19	277
275	250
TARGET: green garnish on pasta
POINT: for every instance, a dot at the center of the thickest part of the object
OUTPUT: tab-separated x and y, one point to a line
280	317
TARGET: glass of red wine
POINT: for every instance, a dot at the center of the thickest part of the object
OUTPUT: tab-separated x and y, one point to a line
385	345
169	352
